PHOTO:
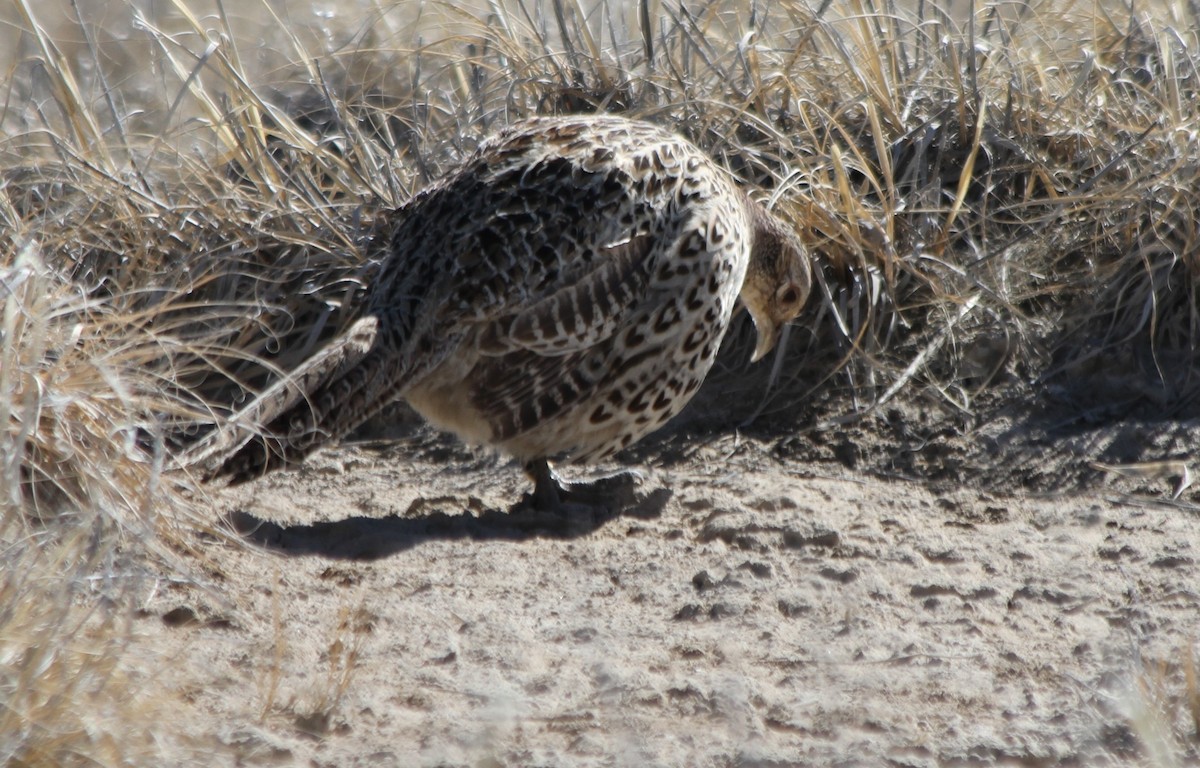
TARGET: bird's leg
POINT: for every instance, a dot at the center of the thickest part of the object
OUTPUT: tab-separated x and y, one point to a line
547	488
552	494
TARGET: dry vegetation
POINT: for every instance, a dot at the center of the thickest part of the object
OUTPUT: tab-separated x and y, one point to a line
1003	203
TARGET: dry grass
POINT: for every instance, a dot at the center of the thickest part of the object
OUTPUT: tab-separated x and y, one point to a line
80	520
1005	197
1165	708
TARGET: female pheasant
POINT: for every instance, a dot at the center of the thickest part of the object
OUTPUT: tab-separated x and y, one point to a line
559	296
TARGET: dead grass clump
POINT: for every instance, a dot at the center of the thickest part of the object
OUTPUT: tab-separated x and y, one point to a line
973	184
1164	708
80	513
70	415
69	696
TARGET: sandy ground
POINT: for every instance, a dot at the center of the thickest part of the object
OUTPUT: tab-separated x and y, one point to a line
391	606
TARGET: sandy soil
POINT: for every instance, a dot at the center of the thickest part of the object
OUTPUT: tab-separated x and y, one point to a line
762	606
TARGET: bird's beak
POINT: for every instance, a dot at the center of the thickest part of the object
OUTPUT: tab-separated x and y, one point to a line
768	334
766	328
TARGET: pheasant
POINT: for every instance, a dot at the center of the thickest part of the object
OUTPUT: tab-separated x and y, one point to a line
559	296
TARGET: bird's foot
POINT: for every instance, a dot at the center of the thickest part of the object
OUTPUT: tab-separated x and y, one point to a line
610	493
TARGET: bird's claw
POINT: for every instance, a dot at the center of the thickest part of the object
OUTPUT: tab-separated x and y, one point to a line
552	494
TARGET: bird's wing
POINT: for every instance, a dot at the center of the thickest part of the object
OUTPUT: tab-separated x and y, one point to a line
545	255
548	355
580	313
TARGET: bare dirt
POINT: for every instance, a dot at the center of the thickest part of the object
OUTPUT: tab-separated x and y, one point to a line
774	600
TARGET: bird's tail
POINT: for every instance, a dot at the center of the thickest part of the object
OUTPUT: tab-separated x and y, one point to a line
329	395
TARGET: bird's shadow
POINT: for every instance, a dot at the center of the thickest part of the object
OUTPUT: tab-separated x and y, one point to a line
372	538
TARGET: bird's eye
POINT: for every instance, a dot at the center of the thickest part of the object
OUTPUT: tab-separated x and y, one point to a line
788	295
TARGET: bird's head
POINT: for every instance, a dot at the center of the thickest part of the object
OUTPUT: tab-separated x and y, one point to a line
778	278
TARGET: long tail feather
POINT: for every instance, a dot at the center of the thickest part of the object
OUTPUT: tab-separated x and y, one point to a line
295	415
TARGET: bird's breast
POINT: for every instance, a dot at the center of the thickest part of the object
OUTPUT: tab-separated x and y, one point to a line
444	399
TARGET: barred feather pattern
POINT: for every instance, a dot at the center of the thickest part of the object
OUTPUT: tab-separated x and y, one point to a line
560	295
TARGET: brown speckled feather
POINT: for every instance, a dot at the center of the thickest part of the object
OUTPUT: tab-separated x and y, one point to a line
562	293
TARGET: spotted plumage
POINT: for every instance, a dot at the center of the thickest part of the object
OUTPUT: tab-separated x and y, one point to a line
559	296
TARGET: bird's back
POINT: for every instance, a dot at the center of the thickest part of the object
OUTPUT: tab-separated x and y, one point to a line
564	291
590	266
